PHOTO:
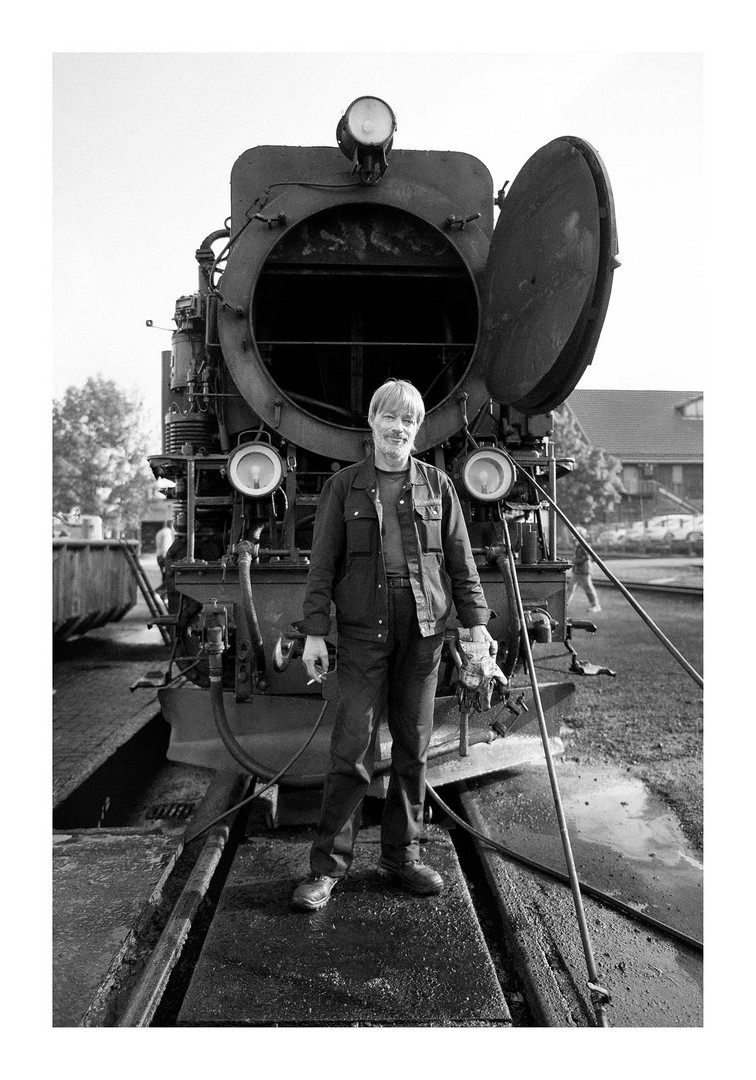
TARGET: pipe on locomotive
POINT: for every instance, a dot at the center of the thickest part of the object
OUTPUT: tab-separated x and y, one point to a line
250	613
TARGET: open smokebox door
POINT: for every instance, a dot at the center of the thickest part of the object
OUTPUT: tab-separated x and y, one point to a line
549	277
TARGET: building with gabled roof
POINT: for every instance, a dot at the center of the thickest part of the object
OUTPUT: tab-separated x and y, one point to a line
658	437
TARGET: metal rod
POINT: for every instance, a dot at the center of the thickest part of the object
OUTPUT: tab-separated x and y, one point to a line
421	344
552	492
625	592
191	502
598	995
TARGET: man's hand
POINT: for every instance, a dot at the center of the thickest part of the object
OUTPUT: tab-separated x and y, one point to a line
315	652
480	633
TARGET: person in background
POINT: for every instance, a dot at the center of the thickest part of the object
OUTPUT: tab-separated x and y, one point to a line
391	549
581	574
163	540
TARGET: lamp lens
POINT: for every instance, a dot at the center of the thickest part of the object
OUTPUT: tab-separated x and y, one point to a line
370	121
488	475
255	471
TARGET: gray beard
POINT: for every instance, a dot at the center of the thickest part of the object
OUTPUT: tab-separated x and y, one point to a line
389	451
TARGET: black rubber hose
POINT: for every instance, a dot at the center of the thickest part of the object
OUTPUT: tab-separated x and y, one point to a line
248	606
265	772
269	784
513	641
240	755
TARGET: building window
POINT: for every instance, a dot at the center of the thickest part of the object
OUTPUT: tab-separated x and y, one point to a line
630	479
677	475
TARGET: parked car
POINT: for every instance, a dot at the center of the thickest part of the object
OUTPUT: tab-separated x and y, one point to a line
695	533
610	536
692	533
675	527
636	534
669	527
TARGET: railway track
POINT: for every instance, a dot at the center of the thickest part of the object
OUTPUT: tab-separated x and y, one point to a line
225	949
230	890
216	944
656	587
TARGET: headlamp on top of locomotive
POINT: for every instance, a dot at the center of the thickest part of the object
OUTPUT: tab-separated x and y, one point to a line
365	134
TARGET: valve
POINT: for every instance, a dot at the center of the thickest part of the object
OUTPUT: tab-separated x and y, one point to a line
214	647
286	649
214	627
540	625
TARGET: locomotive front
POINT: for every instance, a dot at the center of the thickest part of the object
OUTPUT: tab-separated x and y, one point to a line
338	268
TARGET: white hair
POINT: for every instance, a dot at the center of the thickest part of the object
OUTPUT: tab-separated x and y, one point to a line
397	395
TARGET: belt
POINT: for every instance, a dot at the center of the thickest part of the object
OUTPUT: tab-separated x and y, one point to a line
399	583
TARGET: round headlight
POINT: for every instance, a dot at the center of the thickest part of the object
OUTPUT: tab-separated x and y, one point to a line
370	121
255	469
487	474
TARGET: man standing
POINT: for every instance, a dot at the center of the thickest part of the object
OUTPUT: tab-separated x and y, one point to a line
391	549
581	574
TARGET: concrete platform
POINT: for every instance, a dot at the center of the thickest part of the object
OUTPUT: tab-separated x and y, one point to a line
107	886
374	956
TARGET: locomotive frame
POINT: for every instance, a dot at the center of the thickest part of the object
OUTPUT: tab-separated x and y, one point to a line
329	280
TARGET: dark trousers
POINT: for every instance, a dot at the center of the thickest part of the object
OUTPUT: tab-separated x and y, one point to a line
401	672
586	584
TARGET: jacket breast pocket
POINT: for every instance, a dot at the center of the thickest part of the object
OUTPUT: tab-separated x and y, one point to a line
361	531
428	522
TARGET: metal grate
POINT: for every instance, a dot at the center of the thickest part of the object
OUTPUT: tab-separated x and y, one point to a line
171	810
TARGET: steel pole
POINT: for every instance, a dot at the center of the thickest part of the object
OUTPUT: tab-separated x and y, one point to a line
598	994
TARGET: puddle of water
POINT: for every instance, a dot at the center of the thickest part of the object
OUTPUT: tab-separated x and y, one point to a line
621	816
624	839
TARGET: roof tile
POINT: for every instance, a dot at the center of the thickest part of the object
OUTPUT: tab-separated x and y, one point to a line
640	425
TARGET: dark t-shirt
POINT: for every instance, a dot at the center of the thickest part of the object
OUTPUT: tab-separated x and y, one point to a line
390	486
581	560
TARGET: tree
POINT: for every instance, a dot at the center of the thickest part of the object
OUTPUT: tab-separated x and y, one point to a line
100	447
594	487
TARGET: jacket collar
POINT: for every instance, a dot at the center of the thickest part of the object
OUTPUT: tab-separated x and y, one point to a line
366	477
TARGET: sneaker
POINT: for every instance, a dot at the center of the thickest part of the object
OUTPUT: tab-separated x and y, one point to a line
415	876
596	607
313	893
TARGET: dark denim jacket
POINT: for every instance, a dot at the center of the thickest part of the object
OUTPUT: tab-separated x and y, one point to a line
346	564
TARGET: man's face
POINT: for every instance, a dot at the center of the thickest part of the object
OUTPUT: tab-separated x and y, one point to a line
394	435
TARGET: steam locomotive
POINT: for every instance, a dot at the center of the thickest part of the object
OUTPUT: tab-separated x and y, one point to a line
339	267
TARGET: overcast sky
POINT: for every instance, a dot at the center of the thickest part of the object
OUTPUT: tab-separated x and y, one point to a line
144	144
